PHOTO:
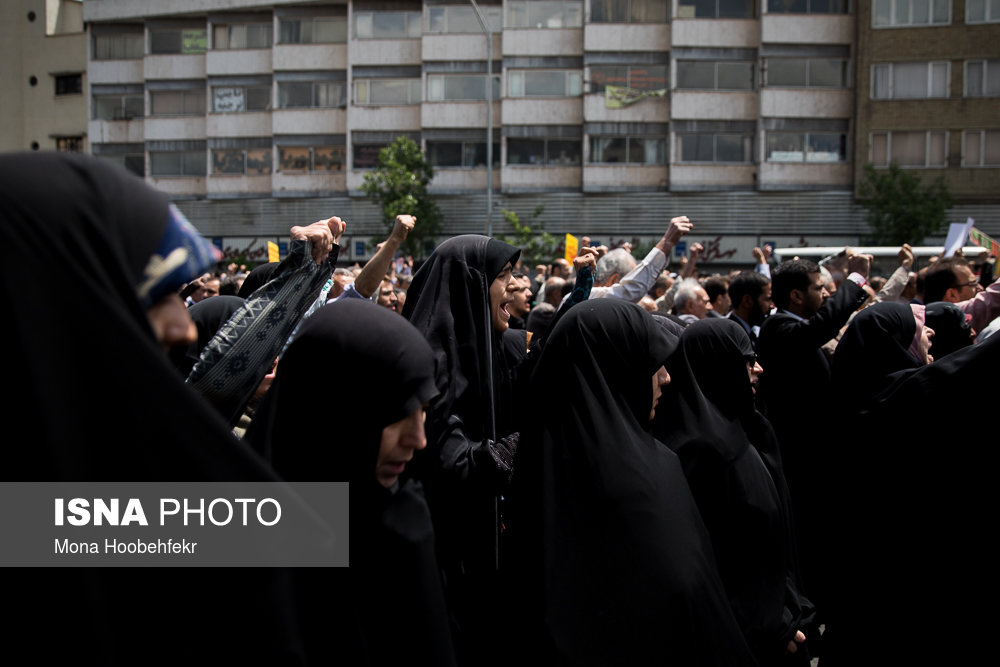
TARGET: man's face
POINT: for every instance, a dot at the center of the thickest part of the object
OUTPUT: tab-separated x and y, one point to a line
520	297
212	288
560	268
815	295
700	304
387	296
762	306
340	282
966	284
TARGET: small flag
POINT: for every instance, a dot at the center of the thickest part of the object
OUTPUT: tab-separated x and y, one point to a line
272	252
572	246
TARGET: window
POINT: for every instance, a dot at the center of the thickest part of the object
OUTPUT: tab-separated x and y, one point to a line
118	107
459	87
629	11
897	81
177	103
462	19
243	36
544	14
177	163
248	161
807	72
69	84
312	94
716	9
981	148
366	155
460	153
314	30
536	152
544	83
806	147
134	162
387	25
715	75
386	91
229	99
311	158
982	78
69	144
909	149
891	13
982	11
721	147
638	77
807	6
124	46
631	150
178	40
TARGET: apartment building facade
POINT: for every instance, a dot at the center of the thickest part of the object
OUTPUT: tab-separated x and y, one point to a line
612	114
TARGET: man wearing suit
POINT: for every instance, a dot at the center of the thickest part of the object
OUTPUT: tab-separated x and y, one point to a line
794	389
750	295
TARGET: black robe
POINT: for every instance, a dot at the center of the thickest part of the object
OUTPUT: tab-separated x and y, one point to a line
613	563
94	398
731	459
388	607
448	302
915	497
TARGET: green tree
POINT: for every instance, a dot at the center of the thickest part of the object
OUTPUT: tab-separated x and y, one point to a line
399	186
901	209
537	245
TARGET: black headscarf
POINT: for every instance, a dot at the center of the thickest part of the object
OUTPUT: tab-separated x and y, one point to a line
209	315
613	559
393	586
99	401
731	459
951	328
449	303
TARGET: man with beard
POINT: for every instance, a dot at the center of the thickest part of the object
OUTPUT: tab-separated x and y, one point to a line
750	294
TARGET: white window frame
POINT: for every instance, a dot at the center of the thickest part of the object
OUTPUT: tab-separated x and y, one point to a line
982	148
894	20
991	10
929	79
515	74
985	77
927	148
414	93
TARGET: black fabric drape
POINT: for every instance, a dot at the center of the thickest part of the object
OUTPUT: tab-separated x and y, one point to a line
389	606
209	315
94	398
731	459
613	563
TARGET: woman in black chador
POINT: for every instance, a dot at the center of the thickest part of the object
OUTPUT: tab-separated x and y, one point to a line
613	563
388	607
731	459
916	494
457	300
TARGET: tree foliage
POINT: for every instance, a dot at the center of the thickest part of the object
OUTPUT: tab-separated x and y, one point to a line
537	245
399	186
901	209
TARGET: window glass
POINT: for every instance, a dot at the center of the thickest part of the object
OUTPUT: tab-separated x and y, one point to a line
177	163
118	47
69	84
230	99
243	36
317	30
542	14
386	91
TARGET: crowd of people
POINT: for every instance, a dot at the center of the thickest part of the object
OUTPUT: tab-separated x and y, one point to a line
590	462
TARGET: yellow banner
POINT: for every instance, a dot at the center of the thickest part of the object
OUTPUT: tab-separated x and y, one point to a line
572	246
618	97
272	252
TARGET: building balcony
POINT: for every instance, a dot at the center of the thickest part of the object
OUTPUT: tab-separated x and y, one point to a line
116	131
626	37
461	47
308	121
250	124
384	52
309	57
701	177
717	33
806	103
316	183
537	179
181	186
238	185
455	180
624	177
393	117
156	68
116	71
714	105
542	111
238	61
648	110
805	176
547	42
458	114
166	128
807	29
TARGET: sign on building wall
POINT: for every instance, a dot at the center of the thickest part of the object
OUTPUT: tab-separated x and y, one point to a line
228	99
